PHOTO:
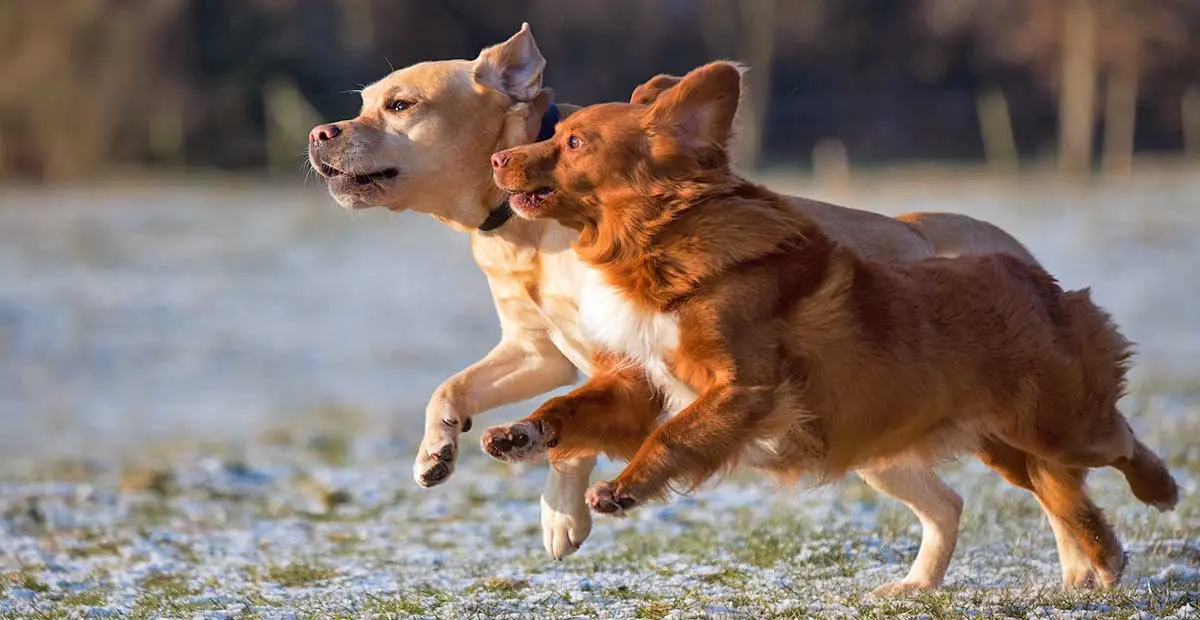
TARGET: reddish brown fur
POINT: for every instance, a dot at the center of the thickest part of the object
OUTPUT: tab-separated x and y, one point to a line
791	338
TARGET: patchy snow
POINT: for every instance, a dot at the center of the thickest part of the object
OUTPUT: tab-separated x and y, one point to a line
211	400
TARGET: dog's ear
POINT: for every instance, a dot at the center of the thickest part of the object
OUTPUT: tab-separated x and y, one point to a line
513	67
698	112
646	94
524	120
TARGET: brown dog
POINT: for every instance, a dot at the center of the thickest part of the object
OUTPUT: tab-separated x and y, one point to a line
769	343
422	143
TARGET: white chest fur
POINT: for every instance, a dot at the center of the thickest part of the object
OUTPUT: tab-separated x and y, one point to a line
612	323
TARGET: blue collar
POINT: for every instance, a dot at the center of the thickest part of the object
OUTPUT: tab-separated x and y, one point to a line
549	120
503	212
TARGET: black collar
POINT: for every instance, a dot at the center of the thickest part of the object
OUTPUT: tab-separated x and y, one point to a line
503	212
497	217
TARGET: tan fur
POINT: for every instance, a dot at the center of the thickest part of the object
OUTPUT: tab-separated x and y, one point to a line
462	111
805	357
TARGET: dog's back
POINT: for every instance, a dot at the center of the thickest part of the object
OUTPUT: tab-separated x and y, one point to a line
961	346
1057	352
1081	334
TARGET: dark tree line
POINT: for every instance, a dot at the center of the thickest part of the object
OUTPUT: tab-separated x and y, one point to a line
91	85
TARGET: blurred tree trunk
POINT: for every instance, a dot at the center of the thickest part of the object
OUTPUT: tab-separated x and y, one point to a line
289	117
758	45
1120	107
746	30
1189	112
1077	99
79	84
995	125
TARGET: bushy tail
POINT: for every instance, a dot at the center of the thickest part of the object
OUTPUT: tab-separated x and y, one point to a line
1148	478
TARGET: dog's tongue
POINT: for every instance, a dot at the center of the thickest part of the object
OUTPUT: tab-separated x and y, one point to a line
524	201
529	203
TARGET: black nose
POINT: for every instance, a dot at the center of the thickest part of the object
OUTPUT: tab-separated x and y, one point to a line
499	160
323	133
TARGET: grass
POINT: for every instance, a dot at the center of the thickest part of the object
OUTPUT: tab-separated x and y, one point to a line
729	577
164	592
300	574
86	598
98	548
394	552
500	585
624	593
29	581
53	613
331	449
168	584
653	611
394	605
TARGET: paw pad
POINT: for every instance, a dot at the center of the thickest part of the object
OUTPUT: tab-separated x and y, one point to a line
603	499
514	442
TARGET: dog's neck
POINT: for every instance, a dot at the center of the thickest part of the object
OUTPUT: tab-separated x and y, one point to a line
660	248
502	212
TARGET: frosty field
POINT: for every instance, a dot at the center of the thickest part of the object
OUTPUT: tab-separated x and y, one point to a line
211	395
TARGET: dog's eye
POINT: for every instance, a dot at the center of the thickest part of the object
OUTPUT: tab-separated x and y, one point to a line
400	105
573	142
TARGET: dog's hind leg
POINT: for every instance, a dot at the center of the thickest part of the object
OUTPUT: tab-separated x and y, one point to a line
1010	463
1061	491
937	506
1148	477
1115	444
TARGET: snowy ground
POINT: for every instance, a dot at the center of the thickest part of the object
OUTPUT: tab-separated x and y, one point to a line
210	398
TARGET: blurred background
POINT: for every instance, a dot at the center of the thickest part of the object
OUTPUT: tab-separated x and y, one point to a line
168	273
233	84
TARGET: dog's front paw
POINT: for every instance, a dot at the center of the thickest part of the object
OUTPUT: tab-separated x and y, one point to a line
519	441
436	456
605	498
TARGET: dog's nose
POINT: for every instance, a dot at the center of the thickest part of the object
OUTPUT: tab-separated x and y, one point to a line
323	133
499	160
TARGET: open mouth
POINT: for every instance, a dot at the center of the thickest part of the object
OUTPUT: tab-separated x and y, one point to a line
529	202
330	172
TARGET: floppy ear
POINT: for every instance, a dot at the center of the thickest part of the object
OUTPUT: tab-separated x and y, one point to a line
698	112
513	67
646	94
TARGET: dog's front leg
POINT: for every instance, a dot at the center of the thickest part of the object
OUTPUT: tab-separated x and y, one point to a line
522	366
688	448
613	412
566	521
938	508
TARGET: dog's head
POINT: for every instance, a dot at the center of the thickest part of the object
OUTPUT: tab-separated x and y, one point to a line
612	150
424	133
